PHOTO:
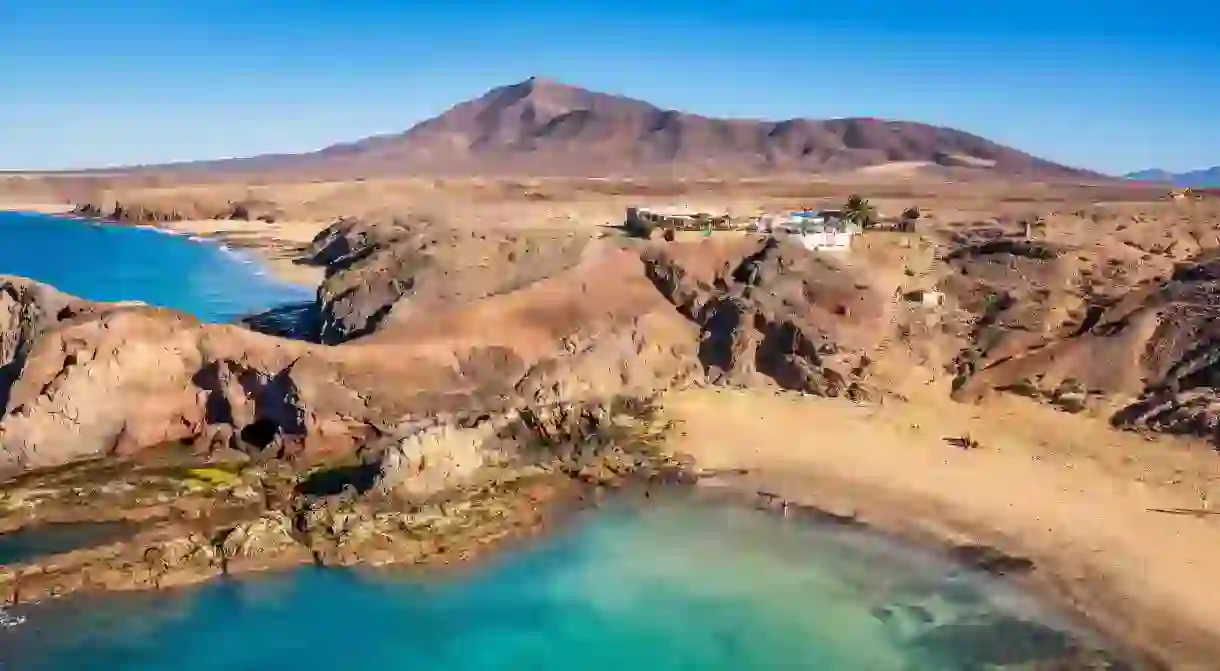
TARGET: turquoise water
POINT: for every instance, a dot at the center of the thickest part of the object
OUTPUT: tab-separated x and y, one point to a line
680	586
113	263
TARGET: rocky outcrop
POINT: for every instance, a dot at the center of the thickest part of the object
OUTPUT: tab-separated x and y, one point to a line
89	379
246	209
1151	359
427	319
440	456
436	492
124	380
779	314
27	309
390	271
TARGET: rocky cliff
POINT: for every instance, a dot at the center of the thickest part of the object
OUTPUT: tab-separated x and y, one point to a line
454	380
417	319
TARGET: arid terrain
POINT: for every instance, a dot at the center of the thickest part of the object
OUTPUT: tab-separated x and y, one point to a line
1031	369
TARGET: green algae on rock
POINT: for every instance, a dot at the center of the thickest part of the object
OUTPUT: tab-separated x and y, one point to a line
203	519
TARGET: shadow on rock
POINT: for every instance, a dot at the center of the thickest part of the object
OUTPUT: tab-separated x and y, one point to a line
335	481
298	321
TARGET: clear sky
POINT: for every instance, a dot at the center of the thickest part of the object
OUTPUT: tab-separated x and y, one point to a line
1114	86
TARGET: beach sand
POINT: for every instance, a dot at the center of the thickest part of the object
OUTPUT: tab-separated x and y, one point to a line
1101	513
18	205
278	246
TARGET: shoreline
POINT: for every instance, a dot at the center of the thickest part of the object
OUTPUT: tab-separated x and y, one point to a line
568	510
275	248
1143	582
819	507
1107	519
823	502
36	207
818	498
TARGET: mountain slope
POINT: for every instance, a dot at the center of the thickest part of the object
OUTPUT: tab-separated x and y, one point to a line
1207	177
545	127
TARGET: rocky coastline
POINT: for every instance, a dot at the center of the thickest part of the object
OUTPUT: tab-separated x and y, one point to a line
449	390
229	450
190	519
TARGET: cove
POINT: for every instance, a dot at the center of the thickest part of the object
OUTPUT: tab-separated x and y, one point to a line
105	262
675	585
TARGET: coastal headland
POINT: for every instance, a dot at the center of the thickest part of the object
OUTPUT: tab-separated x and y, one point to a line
1024	376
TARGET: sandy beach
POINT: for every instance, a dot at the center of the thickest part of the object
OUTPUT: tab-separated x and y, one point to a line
278	245
17	205
1106	517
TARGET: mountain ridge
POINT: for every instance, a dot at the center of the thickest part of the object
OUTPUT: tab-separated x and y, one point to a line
543	126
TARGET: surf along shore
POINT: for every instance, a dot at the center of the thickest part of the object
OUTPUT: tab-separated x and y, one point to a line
1111	522
275	245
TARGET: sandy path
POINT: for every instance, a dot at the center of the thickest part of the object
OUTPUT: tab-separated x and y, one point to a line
1077	498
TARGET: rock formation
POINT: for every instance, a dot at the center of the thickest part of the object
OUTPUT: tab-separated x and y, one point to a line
419	319
1130	335
457	379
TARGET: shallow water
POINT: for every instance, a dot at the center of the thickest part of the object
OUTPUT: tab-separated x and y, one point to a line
680	586
113	263
49	539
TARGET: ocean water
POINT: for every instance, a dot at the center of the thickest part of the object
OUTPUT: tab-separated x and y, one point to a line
113	263
676	585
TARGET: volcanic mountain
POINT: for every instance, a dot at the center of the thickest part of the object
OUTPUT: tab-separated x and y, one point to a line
544	127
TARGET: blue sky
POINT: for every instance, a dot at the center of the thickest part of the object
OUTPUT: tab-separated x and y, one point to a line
1114	86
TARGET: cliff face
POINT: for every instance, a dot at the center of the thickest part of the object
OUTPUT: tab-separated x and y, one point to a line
457	382
416	320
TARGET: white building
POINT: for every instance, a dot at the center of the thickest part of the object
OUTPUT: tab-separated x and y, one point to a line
817	231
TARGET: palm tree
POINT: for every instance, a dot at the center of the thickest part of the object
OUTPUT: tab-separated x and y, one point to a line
859	211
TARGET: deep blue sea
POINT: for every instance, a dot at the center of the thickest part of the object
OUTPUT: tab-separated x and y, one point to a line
112	263
674	586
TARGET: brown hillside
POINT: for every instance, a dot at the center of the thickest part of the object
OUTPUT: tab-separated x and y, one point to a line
544	127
